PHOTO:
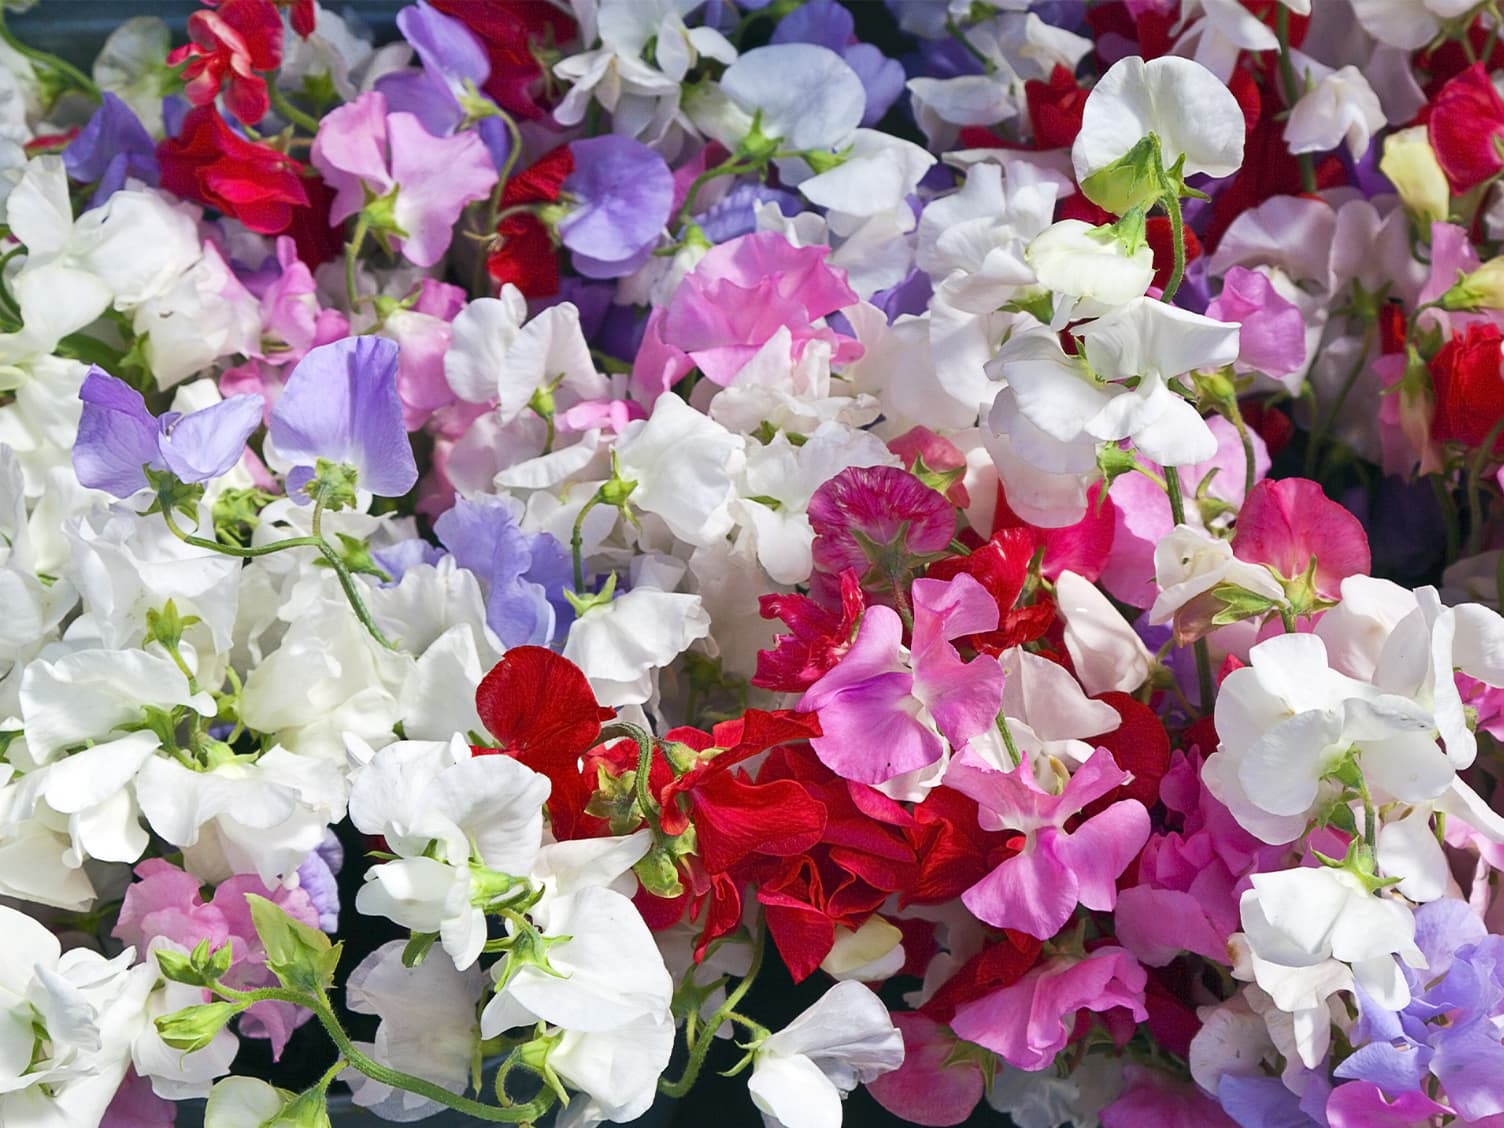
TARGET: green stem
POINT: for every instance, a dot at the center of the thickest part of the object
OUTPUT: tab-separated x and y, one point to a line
1481	457
577	542
702	1045
352	252
51	62
1250	470
641	785
514	154
1015	757
731	167
1322	426
394	1078
1449	511
290	113
1203	655
1177	232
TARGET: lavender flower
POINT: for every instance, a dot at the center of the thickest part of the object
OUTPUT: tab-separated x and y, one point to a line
118	436
829	24
341	405
623	192
113	146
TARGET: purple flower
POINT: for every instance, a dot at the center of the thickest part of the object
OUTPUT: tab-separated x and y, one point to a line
735	213
114	145
316	877
341	404
118	436
623	193
828	24
396	559
517	569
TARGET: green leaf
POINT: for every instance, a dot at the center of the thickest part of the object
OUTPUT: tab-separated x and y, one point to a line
301	957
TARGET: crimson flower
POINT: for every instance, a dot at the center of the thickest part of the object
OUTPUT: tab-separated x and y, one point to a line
517	36
1465	127
525	253
818	637
230	43
541	709
208	162
880	521
1469	385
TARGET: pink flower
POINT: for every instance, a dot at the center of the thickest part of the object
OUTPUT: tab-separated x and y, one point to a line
1029	1022
1152	1099
423	332
165	901
1284	524
1362	1104
361	149
742	293
1036	890
1273	337
930	1087
873	705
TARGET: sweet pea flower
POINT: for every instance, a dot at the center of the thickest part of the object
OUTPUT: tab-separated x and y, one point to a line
1185	106
112	147
801	1074
733	302
623	193
829	24
882	717
341	404
1286	524
1338	107
1036	890
230	42
800	94
1272	335
879	521
366	153
118	436
1030	1021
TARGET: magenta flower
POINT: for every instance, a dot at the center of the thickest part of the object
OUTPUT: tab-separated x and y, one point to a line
365	152
1038	889
882	717
881	522
1284	524
165	901
934	1085
1273	335
1030	1021
734	302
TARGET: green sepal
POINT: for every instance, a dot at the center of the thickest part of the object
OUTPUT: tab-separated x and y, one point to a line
301	957
194	1028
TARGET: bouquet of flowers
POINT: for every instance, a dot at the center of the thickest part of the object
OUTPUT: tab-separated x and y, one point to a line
514	535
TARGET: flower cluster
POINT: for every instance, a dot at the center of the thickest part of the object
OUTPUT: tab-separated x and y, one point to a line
509	532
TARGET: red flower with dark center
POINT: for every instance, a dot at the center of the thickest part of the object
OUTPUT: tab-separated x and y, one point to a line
1469	386
525	253
1466	128
541	709
208	162
230	44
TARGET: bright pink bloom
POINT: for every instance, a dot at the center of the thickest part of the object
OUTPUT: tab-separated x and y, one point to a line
938	456
739	295
1284	524
880	521
869	704
1142	517
423	332
1465	127
1273	337
1031	1021
928	1088
1038	889
230	43
363	149
1152	1099
165	901
1362	1104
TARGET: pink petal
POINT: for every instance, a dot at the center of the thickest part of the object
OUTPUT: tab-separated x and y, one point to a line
1033	892
926	1089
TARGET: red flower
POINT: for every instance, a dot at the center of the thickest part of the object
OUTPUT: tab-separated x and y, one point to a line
1139	745
1469	386
1082	548
1284	523
208	162
230	44
541	708
954	852
993	968
1002	567
304	15
525	253
1466	126
819	637
1055	108
517	36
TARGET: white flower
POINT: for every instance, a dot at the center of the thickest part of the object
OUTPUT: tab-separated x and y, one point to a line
1089	267
1104	648
1190	562
606	969
428	1027
1180	102
684	463
1341	107
616	1070
484	810
804	95
1406	23
876	173
1046	478
204	316
801	1074
622	644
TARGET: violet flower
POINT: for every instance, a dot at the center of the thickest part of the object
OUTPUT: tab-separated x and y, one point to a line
118	436
112	147
341	404
829	24
518	570
624	192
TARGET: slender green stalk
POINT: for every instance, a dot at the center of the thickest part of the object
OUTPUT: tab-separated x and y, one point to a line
577	541
1291	89
352	253
1250	470
290	113
49	61
1177	234
702	1044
